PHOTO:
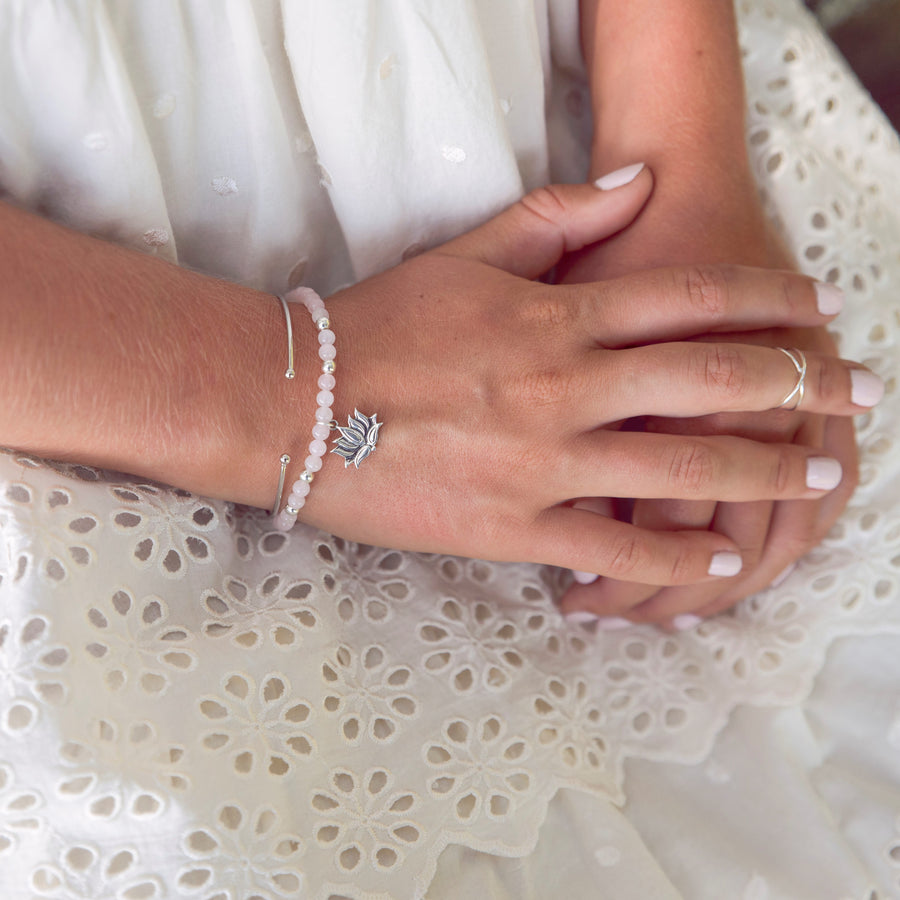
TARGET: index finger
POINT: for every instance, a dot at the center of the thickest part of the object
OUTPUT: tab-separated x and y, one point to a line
677	303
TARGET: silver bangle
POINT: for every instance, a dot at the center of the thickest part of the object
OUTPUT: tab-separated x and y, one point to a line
287	517
355	442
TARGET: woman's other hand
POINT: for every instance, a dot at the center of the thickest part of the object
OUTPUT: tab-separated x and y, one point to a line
494	390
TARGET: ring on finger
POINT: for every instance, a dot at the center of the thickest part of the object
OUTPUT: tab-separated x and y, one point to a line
794	397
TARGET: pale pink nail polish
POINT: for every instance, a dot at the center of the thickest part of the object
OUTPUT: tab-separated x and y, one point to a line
619	178
866	388
686	622
829	298
613	623
725	563
580	617
823	473
584	577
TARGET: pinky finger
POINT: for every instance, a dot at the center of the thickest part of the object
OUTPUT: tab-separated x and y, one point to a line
580	540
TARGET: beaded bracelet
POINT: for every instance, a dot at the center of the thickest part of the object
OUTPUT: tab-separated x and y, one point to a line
286	519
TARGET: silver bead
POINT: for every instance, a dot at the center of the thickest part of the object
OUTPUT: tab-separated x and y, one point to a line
285	459
291	511
306	476
328	367
323	323
289	373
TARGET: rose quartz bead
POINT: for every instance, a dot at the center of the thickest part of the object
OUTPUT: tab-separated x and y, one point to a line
323	414
325	398
326	336
284	521
307	296
318	448
327	351
327	382
300	488
295	500
312	463
321	430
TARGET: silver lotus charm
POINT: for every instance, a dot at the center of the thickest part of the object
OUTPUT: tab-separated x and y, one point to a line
358	439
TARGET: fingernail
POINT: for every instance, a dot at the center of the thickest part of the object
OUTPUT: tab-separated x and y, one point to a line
823	473
725	562
619	178
584	577
686	622
783	575
829	298
613	623
866	388
580	617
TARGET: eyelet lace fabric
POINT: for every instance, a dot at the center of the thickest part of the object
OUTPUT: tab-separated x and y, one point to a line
192	704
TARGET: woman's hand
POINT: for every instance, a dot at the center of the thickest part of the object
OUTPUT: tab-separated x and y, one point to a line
494	389
772	535
673	95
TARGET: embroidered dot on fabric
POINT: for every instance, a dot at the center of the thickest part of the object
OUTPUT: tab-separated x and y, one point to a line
324	176
96	141
224	185
608	856
453	154
387	66
164	105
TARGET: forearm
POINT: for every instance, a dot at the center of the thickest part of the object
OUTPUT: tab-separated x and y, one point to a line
114	358
665	81
667	89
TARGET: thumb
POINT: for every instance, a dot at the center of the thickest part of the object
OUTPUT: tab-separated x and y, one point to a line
531	236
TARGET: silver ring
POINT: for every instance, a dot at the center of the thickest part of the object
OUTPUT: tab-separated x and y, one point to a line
795	395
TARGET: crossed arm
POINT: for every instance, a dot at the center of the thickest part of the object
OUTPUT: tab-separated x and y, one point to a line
667	87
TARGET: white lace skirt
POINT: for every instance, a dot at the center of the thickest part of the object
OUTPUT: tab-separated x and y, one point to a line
192	704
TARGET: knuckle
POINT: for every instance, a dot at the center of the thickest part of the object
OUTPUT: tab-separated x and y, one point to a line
626	558
548	309
826	382
782	470
791	296
682	568
546	204
707	290
724	370
692	469
544	387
